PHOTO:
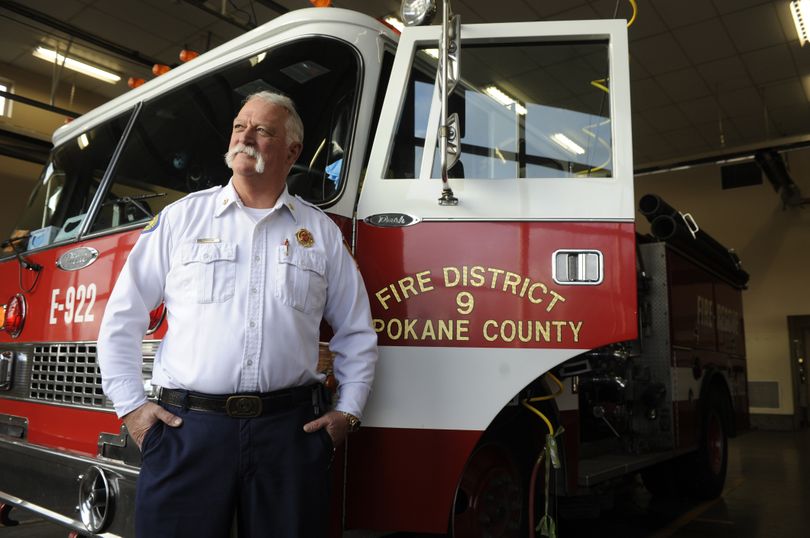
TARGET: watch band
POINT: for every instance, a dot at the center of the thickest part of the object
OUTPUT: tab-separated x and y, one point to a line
352	421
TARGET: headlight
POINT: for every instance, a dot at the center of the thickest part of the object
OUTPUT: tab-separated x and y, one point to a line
418	12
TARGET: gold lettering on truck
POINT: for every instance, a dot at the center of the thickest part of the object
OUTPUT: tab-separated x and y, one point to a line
465	280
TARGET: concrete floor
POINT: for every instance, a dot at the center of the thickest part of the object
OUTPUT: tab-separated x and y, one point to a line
767	495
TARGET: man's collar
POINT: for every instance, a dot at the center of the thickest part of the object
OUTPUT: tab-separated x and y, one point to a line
289	202
228	197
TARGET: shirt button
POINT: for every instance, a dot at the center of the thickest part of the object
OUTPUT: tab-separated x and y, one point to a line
257	258
252	324
253	290
250	363
206	256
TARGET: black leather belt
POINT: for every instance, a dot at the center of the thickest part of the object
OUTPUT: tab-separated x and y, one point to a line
242	405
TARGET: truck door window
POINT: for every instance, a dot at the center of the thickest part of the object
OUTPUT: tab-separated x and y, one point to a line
527	110
59	202
179	139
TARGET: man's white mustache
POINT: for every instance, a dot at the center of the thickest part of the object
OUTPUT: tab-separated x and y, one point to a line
250	151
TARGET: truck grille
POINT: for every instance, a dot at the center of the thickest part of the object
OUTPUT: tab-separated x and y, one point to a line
66	373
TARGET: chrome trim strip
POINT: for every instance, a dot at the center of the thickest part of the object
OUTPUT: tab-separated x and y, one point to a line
50	515
64	457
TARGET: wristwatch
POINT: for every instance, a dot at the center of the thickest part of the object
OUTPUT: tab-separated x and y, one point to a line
352	421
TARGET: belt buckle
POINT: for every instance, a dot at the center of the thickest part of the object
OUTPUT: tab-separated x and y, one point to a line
243	406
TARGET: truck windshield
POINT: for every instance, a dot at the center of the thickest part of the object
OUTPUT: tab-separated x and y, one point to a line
58	204
177	142
526	110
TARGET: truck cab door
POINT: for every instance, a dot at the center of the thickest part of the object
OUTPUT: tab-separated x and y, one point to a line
535	264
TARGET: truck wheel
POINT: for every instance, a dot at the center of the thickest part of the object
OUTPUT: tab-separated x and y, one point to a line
491	495
708	465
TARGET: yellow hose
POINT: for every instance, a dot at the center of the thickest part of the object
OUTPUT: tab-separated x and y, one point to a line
560	390
547	525
601	84
527	402
537	412
635	12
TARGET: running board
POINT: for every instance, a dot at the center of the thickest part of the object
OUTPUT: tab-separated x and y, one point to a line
597	470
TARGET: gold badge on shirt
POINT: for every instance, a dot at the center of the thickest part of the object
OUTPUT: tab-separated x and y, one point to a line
304	238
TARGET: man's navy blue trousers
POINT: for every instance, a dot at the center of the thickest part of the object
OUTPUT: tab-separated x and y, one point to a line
265	472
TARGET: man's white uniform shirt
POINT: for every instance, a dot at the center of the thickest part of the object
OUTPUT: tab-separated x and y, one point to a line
244	303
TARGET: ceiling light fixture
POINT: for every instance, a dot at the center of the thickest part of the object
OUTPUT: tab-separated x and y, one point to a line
501	97
801	18
567	144
75	65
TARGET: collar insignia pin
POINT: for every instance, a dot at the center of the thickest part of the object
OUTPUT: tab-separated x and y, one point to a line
305	238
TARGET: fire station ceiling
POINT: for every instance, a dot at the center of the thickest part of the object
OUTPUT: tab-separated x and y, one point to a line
709	77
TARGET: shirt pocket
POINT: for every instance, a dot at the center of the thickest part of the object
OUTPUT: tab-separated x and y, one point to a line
301	279
207	272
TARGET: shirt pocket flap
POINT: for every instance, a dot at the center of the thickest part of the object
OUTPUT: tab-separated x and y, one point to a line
306	260
207	252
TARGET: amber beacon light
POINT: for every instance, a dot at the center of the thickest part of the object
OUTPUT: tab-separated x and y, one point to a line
188	54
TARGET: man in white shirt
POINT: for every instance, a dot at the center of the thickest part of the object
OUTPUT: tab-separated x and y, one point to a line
246	272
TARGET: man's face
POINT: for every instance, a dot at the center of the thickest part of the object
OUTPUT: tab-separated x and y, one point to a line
258	146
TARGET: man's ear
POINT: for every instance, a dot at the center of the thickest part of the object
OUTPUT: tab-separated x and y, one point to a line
293	152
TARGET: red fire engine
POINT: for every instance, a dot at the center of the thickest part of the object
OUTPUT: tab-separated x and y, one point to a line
491	211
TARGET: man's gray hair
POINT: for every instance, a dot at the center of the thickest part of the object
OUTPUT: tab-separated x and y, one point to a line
294	126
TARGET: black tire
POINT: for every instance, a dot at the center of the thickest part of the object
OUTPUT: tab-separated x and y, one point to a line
702	474
706	468
490	499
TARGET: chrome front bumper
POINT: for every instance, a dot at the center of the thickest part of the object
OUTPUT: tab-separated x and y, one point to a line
46	482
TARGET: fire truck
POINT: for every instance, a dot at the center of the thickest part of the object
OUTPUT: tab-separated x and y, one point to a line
535	350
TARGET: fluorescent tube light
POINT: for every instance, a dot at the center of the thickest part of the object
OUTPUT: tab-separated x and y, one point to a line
801	18
75	65
567	144
5	88
498	94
